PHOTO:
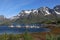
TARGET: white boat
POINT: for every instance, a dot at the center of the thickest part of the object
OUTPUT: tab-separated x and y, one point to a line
11	26
18	26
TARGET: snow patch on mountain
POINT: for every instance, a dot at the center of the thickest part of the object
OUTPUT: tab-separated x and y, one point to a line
47	13
57	12
28	12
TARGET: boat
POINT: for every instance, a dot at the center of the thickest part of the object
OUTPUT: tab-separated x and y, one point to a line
11	26
18	26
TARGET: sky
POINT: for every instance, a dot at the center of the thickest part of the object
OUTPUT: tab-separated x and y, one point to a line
10	8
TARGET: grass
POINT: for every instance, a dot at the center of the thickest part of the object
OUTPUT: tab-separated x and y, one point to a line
28	36
25	36
9	37
52	37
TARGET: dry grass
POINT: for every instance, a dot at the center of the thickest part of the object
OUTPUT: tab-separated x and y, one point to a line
42	35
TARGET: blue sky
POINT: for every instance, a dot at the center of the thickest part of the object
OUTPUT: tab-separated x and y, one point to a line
10	8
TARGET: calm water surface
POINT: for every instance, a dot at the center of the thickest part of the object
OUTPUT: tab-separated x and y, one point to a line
8	30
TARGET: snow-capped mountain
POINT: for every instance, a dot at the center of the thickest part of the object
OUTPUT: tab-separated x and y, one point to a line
57	9
42	14
42	11
25	13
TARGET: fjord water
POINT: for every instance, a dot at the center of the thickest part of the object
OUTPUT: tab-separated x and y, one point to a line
15	30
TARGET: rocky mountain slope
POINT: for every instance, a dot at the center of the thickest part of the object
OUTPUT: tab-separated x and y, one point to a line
39	15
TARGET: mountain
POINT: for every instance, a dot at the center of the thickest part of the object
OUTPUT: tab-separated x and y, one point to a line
57	9
39	15
43	11
2	18
25	13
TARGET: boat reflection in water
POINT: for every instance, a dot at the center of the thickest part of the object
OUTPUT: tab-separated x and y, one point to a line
21	29
27	26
